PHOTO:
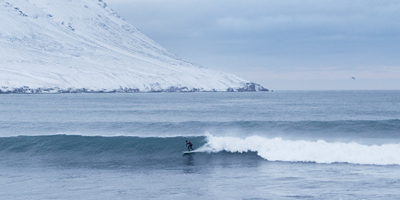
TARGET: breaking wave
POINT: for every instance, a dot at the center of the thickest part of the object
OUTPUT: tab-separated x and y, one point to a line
277	149
167	151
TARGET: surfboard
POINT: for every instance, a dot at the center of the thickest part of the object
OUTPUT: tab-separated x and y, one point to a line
188	152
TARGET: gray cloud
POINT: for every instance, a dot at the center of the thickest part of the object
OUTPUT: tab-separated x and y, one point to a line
276	37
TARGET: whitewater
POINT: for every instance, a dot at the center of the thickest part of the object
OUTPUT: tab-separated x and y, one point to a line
279	145
276	149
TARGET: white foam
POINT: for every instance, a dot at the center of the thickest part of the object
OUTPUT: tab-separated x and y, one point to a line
277	149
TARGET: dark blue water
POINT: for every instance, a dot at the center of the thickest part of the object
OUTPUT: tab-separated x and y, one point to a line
277	145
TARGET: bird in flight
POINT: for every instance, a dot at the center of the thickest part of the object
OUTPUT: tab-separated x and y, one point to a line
353	78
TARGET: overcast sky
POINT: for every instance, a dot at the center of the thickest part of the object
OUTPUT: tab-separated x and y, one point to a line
282	44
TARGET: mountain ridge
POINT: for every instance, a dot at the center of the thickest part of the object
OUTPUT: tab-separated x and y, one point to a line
56	46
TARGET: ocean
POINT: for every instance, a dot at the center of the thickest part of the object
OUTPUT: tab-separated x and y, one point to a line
264	145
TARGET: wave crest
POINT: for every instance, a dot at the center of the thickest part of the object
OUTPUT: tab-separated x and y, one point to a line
278	149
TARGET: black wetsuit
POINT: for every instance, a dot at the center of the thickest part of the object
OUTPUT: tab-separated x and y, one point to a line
189	145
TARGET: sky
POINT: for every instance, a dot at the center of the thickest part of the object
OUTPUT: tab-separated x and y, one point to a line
280	44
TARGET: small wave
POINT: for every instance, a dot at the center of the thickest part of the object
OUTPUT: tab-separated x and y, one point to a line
277	149
92	145
386	129
94	151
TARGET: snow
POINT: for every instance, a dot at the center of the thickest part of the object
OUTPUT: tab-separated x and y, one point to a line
84	46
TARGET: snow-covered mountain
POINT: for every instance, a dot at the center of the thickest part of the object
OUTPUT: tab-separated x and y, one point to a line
83	46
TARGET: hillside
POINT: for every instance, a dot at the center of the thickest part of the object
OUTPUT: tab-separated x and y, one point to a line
51	46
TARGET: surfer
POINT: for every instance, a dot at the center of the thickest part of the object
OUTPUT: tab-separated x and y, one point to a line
189	145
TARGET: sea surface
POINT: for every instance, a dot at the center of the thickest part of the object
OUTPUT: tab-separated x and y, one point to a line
274	145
